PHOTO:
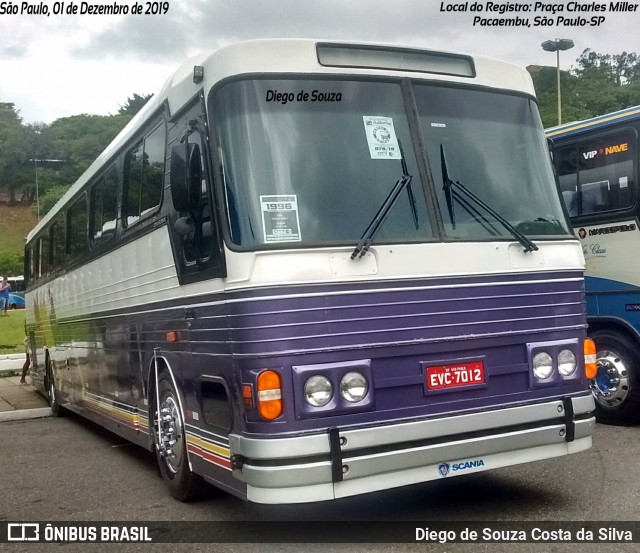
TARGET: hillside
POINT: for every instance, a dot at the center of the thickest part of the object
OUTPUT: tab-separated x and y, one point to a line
15	223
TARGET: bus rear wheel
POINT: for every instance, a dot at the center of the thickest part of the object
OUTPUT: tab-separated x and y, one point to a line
171	445
616	386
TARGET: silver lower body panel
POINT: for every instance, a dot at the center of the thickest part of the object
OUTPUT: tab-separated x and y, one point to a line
356	461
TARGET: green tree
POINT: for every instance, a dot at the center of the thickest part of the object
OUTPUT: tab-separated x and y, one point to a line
11	262
598	84
13	151
81	138
76	141
134	104
49	199
618	69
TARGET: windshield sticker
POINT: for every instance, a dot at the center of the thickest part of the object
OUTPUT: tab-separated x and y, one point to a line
439	125
280	221
381	137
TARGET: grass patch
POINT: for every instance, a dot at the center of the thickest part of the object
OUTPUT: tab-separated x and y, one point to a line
12	332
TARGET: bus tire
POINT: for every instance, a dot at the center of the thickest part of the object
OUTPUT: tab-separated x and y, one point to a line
173	464
617	384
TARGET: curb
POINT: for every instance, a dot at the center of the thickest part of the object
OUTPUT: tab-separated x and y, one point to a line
25	414
11	363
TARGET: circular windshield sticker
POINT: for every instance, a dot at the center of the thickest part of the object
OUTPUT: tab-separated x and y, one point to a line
381	137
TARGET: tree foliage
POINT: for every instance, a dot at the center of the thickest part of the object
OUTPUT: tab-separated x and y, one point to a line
134	104
38	158
598	84
11	262
14	151
49	199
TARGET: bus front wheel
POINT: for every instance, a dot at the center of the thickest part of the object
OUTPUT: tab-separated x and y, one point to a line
616	386
171	445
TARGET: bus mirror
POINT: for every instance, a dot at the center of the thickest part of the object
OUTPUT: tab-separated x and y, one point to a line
186	176
184	226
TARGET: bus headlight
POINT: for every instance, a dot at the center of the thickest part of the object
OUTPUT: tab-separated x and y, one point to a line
566	362
318	391
542	365
353	387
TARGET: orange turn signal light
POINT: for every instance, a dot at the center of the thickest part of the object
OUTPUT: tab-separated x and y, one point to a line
269	395
590	360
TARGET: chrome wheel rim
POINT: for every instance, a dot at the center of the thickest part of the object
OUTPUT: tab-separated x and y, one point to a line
171	449
611	384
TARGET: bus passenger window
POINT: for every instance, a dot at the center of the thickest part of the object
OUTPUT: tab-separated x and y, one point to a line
43	256
32	263
596	175
567	168
605	173
77	228
144	177
104	205
57	243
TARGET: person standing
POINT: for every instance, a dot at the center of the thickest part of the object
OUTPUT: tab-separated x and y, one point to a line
4	296
27	362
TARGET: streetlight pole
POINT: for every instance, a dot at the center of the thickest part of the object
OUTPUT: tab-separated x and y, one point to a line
35	161
555	46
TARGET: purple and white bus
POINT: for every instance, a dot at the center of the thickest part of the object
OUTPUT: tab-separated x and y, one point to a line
309	270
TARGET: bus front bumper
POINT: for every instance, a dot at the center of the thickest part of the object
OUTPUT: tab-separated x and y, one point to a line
344	462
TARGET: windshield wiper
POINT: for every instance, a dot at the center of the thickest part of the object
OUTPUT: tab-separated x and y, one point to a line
451	188
370	233
367	238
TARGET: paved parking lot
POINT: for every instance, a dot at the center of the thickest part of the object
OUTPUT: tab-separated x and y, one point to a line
70	469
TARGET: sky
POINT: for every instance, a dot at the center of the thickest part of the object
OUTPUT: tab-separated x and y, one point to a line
61	65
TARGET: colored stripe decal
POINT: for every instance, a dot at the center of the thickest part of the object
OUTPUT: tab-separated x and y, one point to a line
209	452
615	117
129	415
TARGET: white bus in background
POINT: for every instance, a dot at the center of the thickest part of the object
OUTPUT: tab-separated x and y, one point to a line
309	270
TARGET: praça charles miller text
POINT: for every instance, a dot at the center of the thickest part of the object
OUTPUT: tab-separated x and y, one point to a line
538	14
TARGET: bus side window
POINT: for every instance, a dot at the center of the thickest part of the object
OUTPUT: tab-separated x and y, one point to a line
43	255
567	169
77	228
144	177
57	243
605	172
104	206
32	264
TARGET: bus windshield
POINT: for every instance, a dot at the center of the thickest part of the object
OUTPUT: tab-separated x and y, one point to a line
310	162
496	149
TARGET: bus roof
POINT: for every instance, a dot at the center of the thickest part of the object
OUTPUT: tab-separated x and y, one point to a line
286	56
602	121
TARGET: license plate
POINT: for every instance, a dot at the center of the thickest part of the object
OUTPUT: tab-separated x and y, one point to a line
452	376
